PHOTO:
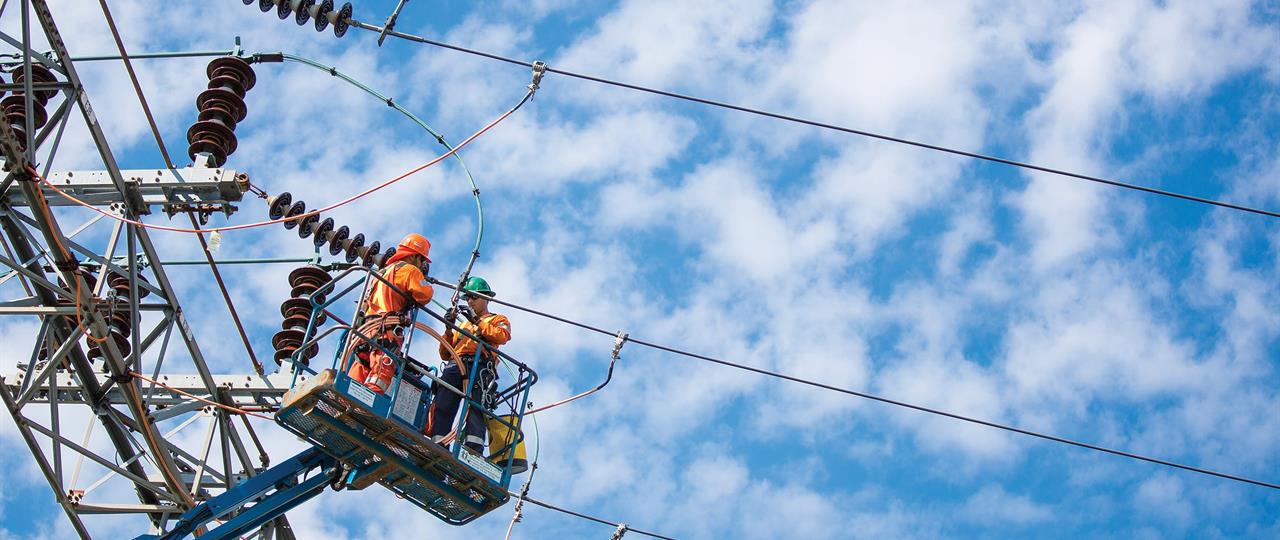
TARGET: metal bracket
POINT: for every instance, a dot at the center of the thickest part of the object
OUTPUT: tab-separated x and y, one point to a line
539	69
618	342
190	188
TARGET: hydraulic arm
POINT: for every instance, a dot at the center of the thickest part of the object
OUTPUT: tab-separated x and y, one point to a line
259	499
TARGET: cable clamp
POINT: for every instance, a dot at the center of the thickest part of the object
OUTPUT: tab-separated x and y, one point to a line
619	532
539	69
618	342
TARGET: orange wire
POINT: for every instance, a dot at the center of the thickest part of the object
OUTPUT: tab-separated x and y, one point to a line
411	172
197	398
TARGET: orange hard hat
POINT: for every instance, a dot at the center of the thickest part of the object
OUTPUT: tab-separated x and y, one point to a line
414	243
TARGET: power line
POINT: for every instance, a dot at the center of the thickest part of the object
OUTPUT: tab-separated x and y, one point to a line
882	399
593	518
833	127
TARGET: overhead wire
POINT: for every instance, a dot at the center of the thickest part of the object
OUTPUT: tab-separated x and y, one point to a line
35	174
896	403
829	126
593	518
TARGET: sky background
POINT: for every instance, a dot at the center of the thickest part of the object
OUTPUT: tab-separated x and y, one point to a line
1107	316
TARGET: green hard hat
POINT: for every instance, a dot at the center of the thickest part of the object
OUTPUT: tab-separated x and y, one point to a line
477	284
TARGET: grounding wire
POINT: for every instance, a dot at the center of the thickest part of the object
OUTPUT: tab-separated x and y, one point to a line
824	125
475	190
873	397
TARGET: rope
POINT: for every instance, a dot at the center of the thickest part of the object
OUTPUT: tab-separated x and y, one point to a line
832	127
896	403
343	202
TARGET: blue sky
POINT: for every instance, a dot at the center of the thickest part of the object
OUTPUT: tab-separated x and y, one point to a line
1107	316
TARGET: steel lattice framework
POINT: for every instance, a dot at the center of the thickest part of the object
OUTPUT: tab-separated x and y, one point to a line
104	318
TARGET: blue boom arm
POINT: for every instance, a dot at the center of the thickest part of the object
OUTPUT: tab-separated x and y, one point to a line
260	498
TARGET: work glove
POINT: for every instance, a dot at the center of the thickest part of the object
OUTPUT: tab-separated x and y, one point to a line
465	311
450	315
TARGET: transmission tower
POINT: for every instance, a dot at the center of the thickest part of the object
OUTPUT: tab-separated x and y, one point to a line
108	315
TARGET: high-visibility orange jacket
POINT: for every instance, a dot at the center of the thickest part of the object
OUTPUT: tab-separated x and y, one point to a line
406	277
494	329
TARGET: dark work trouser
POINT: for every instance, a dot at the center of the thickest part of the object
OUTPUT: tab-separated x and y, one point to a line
445	405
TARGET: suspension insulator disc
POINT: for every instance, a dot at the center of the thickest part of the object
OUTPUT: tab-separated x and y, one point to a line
297	209
322	232
307	225
279	205
302	11
340	22
321	12
337	238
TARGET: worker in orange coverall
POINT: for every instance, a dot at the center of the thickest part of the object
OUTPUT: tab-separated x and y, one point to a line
494	330
387	311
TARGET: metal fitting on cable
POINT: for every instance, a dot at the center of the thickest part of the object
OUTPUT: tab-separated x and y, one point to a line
618	342
304	281
619	532
539	69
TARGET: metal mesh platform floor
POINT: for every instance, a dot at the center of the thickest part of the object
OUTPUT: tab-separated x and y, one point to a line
400	459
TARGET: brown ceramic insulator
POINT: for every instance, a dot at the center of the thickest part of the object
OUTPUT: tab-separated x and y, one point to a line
322	232
297	306
234	67
122	344
307	225
221	98
227	81
301	321
213	137
309	273
120	321
351	245
217	112
368	252
15	108
320	12
297	209
39	74
279	205
386	255
336	238
120	284
307	290
288	341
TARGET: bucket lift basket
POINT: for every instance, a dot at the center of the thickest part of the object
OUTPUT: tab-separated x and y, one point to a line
379	438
